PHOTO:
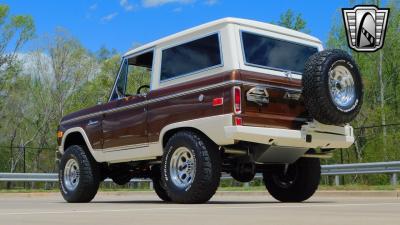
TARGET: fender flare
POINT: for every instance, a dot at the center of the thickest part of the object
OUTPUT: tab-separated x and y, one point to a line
82	132
213	127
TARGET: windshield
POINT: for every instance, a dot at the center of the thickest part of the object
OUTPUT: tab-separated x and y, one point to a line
267	52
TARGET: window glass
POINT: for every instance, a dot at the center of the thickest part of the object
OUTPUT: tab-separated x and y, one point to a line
135	73
274	53
119	90
190	57
137	76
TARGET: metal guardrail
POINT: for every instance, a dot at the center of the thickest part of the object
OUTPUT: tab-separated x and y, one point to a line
363	168
328	170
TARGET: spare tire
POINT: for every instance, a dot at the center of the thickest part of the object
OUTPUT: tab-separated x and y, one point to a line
332	87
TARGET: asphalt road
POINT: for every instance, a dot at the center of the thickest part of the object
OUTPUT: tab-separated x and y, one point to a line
145	208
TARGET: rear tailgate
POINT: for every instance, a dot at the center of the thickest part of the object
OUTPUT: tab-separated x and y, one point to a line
285	108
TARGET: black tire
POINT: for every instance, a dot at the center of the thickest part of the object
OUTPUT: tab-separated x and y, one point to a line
158	184
296	185
243	169
317	96
207	164
122	179
89	175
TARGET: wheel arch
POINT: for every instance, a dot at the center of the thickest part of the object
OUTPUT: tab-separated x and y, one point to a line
168	134
213	128
76	136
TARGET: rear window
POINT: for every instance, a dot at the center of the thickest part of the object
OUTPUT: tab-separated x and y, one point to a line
190	57
267	52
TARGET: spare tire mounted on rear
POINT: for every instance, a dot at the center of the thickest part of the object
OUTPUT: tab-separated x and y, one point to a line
332	87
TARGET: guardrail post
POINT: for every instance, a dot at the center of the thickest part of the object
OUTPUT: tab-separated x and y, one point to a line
337	180
151	185
393	179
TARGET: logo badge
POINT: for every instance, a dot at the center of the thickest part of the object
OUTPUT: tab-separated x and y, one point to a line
365	27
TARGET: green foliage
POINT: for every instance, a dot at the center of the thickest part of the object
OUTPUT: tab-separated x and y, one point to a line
293	21
380	143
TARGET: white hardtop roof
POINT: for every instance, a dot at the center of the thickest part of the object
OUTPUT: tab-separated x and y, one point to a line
228	20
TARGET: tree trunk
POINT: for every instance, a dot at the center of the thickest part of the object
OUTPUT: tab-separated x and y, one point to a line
382	100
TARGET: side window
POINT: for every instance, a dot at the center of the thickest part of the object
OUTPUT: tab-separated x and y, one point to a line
134	77
190	57
138	76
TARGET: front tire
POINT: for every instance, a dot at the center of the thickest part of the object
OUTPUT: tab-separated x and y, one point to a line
79	175
191	168
297	184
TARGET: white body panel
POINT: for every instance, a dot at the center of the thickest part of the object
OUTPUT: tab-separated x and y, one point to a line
230	41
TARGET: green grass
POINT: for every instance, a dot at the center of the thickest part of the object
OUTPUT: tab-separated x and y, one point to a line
359	187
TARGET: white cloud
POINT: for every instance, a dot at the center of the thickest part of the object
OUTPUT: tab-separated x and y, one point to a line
109	17
93	7
126	5
211	2
156	3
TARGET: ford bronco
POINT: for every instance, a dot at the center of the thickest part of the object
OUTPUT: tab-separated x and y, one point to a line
234	96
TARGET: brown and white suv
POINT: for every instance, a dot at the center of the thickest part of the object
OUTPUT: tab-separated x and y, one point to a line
233	95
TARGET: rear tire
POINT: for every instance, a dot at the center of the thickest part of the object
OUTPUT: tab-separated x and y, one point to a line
191	168
296	185
79	175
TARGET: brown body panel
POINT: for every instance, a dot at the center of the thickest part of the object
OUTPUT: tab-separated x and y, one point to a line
83	118
186	107
140	119
280	112
125	126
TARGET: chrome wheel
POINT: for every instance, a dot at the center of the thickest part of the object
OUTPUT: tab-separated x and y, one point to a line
182	167
341	87
71	174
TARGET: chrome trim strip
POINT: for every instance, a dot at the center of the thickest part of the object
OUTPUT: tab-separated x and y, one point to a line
125	147
92	122
221	84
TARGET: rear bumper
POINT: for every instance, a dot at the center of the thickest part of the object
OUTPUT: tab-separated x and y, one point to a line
312	135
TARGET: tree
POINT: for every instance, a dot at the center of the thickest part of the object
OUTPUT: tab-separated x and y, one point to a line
380	71
71	66
15	31
293	21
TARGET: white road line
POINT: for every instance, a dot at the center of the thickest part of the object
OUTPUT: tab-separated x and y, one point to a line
303	205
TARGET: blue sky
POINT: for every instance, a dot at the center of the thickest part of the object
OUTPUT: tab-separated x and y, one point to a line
121	24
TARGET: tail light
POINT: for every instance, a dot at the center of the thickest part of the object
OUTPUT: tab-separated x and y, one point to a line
238	121
237	100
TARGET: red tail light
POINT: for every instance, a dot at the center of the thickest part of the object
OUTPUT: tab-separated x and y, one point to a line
218	101
238	121
237	100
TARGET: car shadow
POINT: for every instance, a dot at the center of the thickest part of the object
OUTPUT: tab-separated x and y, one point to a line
207	203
